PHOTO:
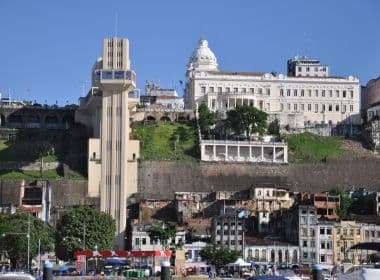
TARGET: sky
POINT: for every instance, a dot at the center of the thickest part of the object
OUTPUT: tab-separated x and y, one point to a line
47	48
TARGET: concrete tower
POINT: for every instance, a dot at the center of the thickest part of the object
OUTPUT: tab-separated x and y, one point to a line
112	155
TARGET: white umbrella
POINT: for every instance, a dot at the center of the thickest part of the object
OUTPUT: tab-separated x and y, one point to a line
240	262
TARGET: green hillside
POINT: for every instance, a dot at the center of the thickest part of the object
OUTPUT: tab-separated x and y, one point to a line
166	141
307	147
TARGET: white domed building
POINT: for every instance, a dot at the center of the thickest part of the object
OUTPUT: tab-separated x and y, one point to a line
306	97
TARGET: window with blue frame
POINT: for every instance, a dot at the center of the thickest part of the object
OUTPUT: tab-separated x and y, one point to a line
106	75
119	75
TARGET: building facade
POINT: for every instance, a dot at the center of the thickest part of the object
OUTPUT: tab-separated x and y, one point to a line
307	95
228	230
346	235
371	93
112	156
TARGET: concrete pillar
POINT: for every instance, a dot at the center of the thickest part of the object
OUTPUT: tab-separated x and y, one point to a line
262	153
286	154
238	151
274	154
228	103
235	102
214	151
226	153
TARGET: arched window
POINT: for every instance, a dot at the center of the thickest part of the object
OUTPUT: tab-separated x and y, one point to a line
257	254
249	253
263	256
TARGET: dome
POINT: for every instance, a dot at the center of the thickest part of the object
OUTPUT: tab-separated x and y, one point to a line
203	58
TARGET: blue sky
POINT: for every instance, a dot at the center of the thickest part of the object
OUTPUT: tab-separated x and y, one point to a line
49	47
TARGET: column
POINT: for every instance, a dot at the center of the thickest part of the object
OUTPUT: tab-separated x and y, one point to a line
214	150
228	103
238	151
250	153
226	152
286	154
262	152
235	102
274	153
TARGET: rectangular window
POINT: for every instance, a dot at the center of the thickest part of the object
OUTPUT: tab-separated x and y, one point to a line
244	90
143	241
316	93
288	92
203	89
260	90
351	108
302	92
137	241
330	107
309	107
323	93
309	92
316	108
358	231
337	108
295	92
295	107
252	90
268	91
328	231
281	92
344	94
288	106
302	107
323	245
281	106
337	93
235	89
344	108
304	244
351	94
227	89
330	93
322	231
211	89
219	89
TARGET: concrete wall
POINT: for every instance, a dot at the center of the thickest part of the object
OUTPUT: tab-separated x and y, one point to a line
163	178
65	193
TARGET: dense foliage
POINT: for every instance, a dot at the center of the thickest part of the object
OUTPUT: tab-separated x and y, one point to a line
84	228
247	120
14	241
274	128
163	233
218	255
345	202
206	119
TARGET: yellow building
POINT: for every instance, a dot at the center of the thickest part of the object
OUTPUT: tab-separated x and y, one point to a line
345	235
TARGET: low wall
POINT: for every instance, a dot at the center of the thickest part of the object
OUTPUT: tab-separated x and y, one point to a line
27	166
163	178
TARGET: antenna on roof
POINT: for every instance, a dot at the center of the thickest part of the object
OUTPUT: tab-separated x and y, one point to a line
116	23
306	45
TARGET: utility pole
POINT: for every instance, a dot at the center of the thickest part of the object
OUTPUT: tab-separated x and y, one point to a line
28	238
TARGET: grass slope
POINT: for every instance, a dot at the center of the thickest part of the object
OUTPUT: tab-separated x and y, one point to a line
21	150
307	147
166	141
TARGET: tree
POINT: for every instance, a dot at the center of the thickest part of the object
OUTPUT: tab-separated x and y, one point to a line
14	241
345	202
218	255
84	228
206	118
247	119
274	128
163	233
